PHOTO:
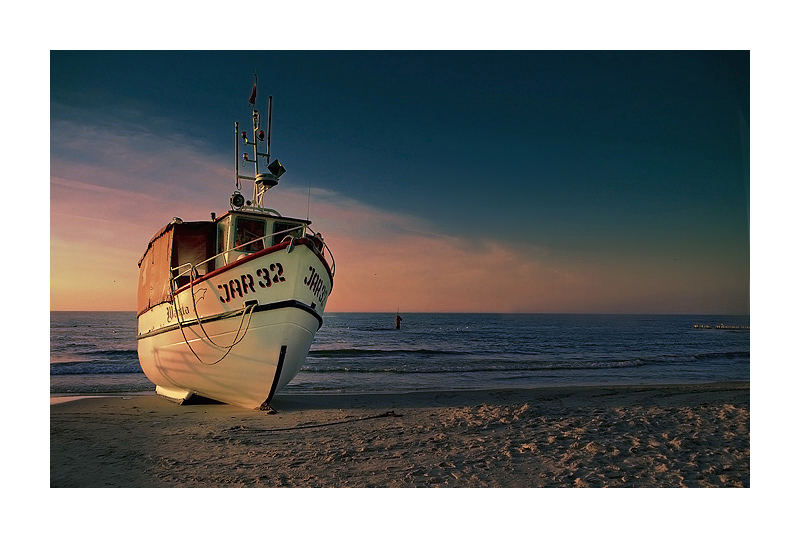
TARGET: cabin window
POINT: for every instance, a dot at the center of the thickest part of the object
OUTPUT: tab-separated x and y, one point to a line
281	231
223	230
246	231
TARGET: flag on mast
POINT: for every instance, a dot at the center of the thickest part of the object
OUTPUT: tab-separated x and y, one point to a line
252	100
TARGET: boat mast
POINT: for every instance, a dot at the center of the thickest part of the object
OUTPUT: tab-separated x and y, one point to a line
269	126
261	181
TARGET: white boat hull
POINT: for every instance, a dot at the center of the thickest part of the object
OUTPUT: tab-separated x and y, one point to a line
239	334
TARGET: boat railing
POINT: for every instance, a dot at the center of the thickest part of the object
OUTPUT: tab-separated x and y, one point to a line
191	268
333	262
325	247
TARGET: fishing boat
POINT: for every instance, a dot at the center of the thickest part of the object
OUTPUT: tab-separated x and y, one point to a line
227	308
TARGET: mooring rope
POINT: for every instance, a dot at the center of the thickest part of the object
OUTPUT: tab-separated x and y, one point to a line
245	429
236	338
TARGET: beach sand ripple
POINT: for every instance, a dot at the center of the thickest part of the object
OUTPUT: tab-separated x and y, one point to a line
665	436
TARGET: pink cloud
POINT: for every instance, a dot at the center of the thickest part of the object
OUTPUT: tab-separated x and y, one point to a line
103	215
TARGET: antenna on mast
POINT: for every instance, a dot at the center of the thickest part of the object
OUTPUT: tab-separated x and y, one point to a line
269	127
308	204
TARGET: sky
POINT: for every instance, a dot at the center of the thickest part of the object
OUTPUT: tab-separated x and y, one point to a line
443	181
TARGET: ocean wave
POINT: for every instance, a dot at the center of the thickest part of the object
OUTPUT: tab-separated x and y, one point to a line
95	367
124	353
468	368
723	355
77	355
365	353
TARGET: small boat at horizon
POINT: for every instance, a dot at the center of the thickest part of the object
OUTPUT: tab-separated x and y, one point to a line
228	308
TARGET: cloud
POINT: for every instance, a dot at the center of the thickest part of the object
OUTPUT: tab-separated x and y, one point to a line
106	207
387	260
112	186
134	158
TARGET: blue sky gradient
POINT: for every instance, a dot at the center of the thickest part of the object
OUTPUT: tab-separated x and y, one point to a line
636	162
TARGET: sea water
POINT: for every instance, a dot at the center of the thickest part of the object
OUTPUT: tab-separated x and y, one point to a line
95	352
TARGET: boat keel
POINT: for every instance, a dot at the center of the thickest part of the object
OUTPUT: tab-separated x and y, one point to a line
265	406
176	395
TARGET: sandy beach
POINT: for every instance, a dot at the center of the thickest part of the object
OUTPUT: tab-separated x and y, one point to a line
641	436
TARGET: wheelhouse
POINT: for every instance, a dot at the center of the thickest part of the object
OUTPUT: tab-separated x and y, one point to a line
241	233
182	251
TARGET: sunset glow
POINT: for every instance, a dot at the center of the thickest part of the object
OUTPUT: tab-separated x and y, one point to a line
660	229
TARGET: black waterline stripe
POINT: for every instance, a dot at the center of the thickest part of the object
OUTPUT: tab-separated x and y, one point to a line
259	308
